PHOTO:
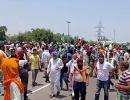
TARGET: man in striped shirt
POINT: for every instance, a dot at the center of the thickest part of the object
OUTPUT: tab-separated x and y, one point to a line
124	82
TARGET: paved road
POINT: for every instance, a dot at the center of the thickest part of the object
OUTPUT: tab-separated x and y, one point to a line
42	91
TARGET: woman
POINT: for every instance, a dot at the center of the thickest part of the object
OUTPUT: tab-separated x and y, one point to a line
80	80
123	86
13	86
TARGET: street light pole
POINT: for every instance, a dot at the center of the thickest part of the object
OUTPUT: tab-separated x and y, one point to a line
68	22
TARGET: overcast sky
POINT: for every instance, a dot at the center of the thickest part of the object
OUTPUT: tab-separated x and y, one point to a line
22	15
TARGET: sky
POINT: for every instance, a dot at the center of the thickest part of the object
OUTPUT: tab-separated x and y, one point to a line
84	15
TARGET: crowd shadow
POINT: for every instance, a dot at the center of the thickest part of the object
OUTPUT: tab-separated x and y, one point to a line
60	96
29	91
66	89
38	84
112	90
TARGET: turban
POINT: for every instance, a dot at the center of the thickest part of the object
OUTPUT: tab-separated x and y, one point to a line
10	72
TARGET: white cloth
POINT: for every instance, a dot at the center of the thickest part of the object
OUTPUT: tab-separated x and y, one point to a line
45	56
22	63
19	49
71	64
126	56
85	58
29	52
116	56
15	92
54	70
103	70
113	61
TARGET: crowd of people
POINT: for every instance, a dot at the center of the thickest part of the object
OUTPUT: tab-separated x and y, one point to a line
71	63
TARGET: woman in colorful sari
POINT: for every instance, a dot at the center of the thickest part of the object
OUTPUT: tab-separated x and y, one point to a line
14	89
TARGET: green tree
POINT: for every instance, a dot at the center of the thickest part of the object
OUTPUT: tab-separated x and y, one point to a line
13	38
92	42
42	35
28	36
57	38
21	37
3	30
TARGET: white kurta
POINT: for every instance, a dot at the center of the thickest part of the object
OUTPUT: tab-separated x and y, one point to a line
15	92
54	69
45	56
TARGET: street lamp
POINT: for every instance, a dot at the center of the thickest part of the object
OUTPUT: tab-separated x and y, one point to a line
68	22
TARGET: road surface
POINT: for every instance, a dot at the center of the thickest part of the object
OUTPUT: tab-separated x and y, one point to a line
42	91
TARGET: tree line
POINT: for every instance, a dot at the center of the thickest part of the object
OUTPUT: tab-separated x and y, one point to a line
37	35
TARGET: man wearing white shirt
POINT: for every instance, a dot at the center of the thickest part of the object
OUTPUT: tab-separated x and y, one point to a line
45	56
45	60
103	68
54	70
71	64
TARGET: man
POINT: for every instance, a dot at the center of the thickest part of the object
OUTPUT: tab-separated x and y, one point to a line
35	66
123	86
116	55
103	68
64	72
54	71
72	63
45	60
70	66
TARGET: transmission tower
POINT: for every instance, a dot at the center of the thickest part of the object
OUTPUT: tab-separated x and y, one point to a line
99	31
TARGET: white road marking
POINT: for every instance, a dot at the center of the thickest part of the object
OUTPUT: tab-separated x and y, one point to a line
38	89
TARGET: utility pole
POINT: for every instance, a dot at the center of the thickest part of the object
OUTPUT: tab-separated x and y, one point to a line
68	22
